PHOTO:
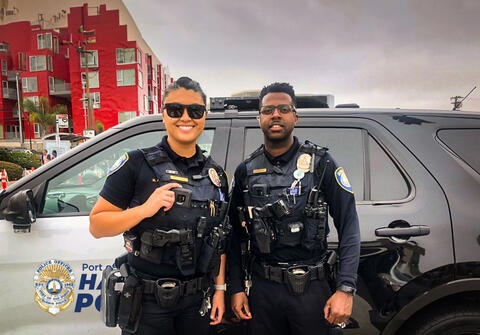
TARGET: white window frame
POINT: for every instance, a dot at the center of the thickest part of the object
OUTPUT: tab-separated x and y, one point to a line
4	67
121	76
49	63
25	84
139	57
48	41
56	48
146	105
35	68
67	53
41	42
51	84
124	50
91	77
132	115
94	56
140	79
36	130
33	98
95	100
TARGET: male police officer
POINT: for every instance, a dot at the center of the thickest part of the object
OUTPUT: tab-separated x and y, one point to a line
170	200
283	191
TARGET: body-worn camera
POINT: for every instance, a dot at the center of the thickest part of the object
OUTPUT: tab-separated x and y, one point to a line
183	196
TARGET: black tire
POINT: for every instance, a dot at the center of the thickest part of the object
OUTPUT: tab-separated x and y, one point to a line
446	320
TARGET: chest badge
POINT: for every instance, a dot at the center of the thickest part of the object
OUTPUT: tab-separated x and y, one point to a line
303	162
212	173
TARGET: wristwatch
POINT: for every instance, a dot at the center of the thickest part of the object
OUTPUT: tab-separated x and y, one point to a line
222	287
347	289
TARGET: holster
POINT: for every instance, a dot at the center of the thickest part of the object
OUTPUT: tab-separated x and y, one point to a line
262	234
298	279
167	292
130	304
112	285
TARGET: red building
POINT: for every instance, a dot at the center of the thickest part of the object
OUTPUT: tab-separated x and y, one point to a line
124	79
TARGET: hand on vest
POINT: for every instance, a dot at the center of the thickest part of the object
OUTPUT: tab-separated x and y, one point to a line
161	197
218	307
338	308
240	306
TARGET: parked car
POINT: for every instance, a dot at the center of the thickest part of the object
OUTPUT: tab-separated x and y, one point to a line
416	177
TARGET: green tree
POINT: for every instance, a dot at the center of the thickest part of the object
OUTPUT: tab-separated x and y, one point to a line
42	113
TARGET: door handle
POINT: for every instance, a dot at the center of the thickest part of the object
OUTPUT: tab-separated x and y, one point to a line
402	231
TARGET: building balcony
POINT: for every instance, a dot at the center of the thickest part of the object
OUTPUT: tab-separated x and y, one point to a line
9	93
61	90
4	48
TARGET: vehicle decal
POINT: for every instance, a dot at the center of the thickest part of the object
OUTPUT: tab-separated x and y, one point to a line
53	282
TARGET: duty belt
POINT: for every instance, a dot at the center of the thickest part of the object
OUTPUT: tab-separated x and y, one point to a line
296	277
158	237
168	291
188	287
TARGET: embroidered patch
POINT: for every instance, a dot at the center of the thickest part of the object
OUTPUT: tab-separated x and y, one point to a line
342	180
118	164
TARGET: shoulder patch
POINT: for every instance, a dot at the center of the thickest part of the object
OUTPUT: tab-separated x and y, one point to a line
118	164
342	180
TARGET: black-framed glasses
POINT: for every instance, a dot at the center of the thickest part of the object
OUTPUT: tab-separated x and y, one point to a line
175	110
282	109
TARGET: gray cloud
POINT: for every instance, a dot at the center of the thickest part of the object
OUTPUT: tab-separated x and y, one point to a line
409	54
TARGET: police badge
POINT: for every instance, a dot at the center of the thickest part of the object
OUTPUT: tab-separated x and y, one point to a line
212	173
303	162
53	281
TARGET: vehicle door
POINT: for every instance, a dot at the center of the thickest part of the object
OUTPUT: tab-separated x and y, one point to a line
65	193
392	191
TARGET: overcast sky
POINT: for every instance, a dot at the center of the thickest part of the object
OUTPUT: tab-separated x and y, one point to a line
377	53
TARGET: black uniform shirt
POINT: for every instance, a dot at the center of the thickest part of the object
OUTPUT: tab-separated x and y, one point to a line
133	183
341	208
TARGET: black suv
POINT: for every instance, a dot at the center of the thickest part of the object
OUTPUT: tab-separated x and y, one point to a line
416	177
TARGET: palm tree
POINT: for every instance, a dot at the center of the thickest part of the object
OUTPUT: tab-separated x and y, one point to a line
42	113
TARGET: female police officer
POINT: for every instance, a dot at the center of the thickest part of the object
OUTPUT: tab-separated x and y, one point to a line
169	201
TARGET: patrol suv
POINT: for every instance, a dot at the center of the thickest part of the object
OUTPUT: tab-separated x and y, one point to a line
416	177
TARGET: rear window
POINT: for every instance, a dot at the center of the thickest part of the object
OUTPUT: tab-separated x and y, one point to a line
464	143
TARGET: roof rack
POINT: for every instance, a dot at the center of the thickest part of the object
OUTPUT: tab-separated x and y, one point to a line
220	104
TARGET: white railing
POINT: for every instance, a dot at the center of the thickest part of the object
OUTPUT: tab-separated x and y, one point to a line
60	88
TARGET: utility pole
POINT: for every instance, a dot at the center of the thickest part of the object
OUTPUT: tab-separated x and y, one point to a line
88	37
20	110
458	104
455	103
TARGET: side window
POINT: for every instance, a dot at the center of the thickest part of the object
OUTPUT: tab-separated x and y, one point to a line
387	183
76	189
345	145
464	143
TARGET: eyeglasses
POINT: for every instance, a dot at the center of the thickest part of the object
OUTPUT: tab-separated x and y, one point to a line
282	109
175	110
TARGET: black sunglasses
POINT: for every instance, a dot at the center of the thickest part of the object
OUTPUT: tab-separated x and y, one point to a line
175	110
282	109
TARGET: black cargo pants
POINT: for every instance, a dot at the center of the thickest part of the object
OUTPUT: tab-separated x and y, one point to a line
276	311
183	319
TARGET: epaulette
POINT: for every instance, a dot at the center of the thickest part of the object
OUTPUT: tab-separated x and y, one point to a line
310	148
155	155
254	154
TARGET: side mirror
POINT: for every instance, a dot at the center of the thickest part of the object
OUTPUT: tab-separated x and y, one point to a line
21	210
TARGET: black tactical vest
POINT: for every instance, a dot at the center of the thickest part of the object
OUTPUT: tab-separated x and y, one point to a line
177	237
272	194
